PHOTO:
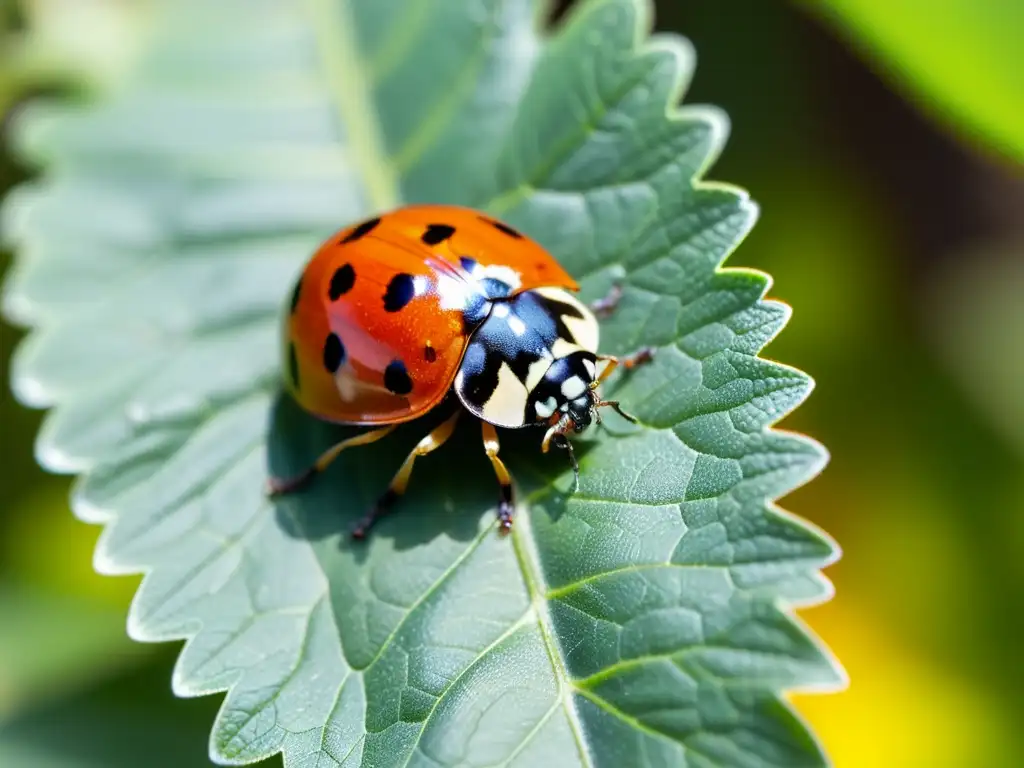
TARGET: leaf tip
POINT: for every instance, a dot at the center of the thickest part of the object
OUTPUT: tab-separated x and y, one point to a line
836	678
27	389
51	457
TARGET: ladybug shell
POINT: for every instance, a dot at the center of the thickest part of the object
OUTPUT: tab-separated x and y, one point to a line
381	316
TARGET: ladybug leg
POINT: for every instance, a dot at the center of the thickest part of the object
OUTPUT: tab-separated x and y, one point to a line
506	507
614	405
629	362
640	357
437	437
604	307
278	486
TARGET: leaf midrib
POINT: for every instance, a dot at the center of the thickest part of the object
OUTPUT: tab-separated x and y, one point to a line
529	566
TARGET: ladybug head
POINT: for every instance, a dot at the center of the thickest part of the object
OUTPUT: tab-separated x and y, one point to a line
566	399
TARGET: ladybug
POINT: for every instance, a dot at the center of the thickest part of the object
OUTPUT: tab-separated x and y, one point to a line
393	315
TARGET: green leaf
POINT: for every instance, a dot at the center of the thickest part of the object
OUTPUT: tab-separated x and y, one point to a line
643	620
959	59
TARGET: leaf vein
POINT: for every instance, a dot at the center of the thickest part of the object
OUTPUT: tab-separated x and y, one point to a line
463	556
530	569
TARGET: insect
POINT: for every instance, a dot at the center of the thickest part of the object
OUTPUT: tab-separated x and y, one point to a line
433	304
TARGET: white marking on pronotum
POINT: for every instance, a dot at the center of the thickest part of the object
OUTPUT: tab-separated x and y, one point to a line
585	329
500	310
591	368
546	408
506	405
507	275
517	326
562	348
454	293
573	387
537	370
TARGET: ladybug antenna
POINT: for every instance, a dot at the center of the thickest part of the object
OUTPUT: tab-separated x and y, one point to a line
563	441
575	464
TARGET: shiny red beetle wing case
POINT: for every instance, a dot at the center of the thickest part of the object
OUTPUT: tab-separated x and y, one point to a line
487	241
378	321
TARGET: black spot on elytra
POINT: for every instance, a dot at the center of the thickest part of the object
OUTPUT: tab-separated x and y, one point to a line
396	378
429	353
437	233
361	231
502	228
341	282
401	290
293	365
334	353
296	292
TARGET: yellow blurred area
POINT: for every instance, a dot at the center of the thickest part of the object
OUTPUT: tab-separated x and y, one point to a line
900	710
923	491
63	624
42	544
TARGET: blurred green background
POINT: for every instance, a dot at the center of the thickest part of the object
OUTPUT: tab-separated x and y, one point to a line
884	142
